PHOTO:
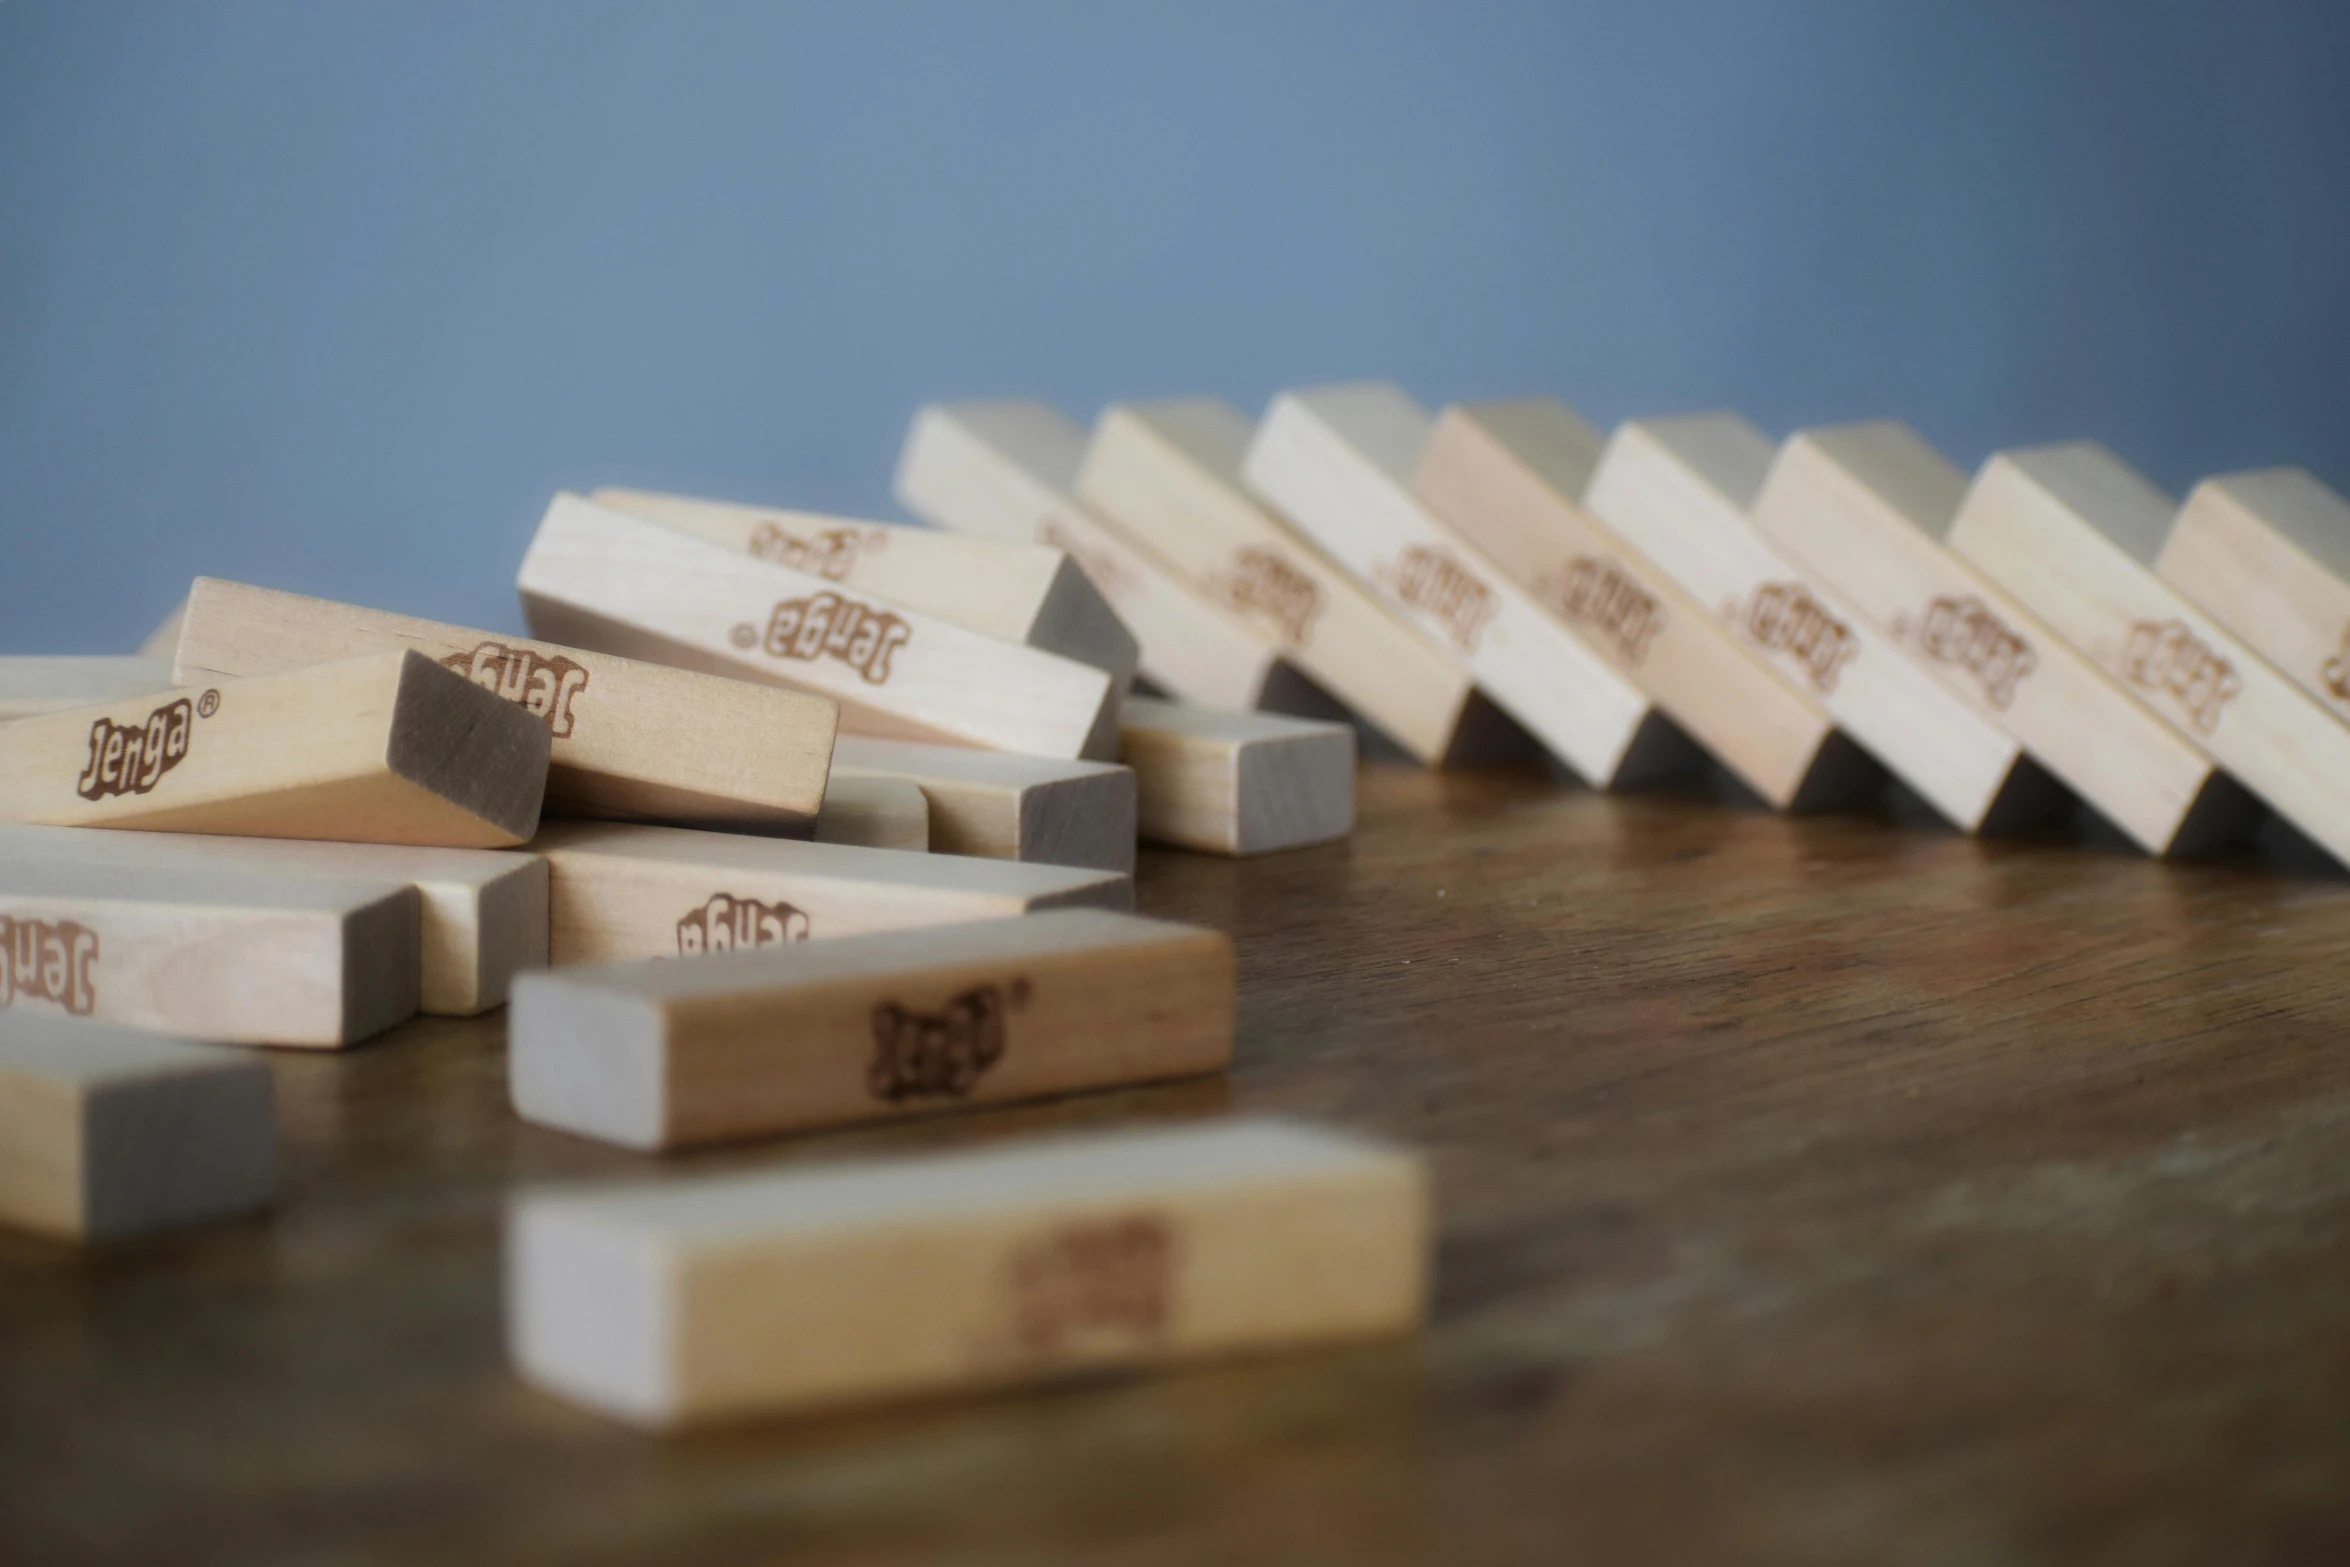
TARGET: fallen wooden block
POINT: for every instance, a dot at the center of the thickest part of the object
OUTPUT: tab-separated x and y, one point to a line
1007	807
617	893
390	748
32	686
1679	490
693	1301
602	579
1237	783
2267	555
106	1133
746	1044
874	812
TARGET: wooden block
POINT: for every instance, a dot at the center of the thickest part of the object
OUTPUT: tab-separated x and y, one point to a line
1018	591
1237	783
1508	477
164	640
31	686
1337	462
617	893
1679	490
106	1133
693	1301
484	911
241	956
747	1044
602	579
874	812
1007	807
390	748
1864	508
633	741
2267	555
2073	533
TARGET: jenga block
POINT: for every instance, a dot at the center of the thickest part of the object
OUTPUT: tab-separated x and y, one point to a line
630	740
1508	477
617	893
484	911
1007	807
32	686
602	579
2267	555
874	812
1679	490
164	640
2073	533
241	956
1237	783
780	1039
106	1133
390	748
691	1301
1864	508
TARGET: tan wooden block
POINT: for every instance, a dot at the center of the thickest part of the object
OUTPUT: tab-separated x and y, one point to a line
618	893
781	1039
106	1133
629	740
241	956
693	1301
2073	533
164	640
2267	555
1007	807
1865	507
32	686
1680	491
389	748
602	579
1237	783
874	812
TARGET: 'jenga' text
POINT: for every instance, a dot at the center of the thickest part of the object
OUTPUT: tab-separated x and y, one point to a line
1436	584
831	554
540	683
131	758
2336	672
1784	617
932	1055
727	922
1963	631
1595	592
41	960
1092	1277
826	624
1259	581
2165	656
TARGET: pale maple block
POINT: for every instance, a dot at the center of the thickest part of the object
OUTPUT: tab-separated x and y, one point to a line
617	893
1004	806
744	1044
388	748
2073	533
1237	783
700	1300
164	640
874	812
2267	555
484	911
241	956
106	1133
1865	507
34	685
604	579
629	740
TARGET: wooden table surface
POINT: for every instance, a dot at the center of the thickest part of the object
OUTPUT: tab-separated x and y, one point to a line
1814	1191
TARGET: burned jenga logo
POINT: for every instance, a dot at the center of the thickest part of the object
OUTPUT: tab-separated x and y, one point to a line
2165	656
1593	591
826	624
1964	632
2337	670
1436	584
726	923
831	554
1091	1279
931	1055
132	758
540	683
45	961
1783	617
1259	581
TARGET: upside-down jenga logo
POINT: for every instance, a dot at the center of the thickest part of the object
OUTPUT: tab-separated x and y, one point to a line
1088	1278
132	758
1963	631
941	1054
727	922
43	960
1594	591
2336	672
831	553
1784	617
1436	584
2165	656
828	625
540	683
1259	581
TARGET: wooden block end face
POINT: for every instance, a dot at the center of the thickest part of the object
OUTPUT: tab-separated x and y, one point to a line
588	1058
505	935
1088	822
1552	442
469	746
1296	791
591	1310
2100	491
1721	452
382	965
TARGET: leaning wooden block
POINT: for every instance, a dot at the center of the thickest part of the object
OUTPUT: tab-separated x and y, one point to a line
1007	807
1237	783
1680	491
2267	555
164	640
694	1301
31	686
747	1044
106	1133
390	748
617	893
602	579
874	812
631	740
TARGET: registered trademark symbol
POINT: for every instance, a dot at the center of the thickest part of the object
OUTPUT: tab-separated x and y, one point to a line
743	636
208	704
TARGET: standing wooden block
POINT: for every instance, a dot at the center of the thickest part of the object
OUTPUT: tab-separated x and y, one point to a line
693	1301
1007	807
106	1133
1337	462
1864	507
602	579
874	812
2267	555
630	740
2073	533
619	893
245	957
32	686
390	748
1680	491
1237	783
747	1044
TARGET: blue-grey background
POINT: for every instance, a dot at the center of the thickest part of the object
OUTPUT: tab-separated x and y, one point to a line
331	297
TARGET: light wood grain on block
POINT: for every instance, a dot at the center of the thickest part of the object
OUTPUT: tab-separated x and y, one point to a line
694	1301
31	686
389	748
780	1039
1004	806
107	1133
1680	490
618	893
603	579
629	740
873	811
2267	555
1237	783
